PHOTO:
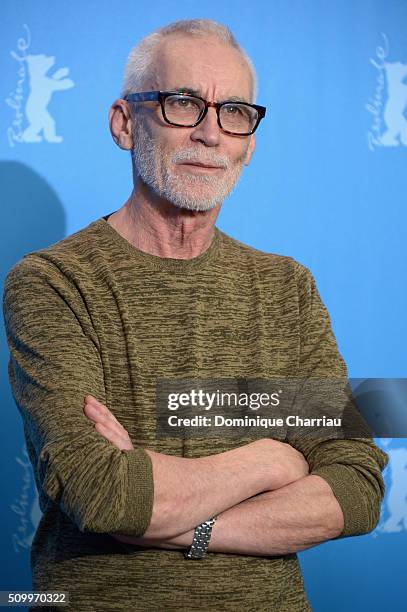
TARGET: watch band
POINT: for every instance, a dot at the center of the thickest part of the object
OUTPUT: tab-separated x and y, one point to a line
200	541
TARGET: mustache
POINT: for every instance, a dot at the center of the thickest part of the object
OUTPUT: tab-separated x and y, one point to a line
189	155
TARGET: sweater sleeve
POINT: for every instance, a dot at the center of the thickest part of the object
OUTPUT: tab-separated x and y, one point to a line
54	363
352	467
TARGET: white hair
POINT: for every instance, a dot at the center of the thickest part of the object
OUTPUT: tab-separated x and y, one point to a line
140	62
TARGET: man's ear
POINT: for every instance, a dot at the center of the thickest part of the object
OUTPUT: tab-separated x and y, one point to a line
120	123
250	150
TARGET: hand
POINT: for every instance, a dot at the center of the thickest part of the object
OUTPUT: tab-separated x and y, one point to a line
281	462
106	423
110	428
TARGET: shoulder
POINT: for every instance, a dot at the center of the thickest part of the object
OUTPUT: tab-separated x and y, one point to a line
266	264
68	256
61	273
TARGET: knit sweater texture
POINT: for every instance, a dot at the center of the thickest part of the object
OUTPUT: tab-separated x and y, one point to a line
91	314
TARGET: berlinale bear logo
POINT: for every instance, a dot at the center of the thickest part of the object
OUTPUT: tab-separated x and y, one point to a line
394	516
42	87
32	107
396	104
389	102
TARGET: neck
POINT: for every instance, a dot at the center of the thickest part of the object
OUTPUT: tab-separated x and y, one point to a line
156	226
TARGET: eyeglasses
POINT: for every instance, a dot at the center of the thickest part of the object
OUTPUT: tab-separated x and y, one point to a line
186	110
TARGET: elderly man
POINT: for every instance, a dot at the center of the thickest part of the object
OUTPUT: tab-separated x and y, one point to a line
155	290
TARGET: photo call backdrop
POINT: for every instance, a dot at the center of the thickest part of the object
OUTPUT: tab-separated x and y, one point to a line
327	185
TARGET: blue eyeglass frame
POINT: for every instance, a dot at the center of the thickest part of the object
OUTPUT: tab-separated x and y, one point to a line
160	96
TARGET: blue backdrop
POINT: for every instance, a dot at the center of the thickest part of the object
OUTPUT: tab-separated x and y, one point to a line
327	185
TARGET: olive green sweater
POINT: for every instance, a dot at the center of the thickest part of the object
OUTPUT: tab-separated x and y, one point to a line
92	314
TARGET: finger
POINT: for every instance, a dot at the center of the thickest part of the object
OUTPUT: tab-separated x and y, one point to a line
99	413
113	437
110	429
90	400
102	419
93	413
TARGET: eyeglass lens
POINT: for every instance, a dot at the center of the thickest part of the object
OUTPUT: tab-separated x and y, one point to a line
234	117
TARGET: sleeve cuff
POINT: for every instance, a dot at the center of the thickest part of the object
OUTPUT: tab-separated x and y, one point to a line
359	509
139	505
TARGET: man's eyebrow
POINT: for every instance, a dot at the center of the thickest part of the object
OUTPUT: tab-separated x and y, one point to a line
235	99
196	92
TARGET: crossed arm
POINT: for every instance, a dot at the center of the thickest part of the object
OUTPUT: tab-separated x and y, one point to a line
299	511
271	498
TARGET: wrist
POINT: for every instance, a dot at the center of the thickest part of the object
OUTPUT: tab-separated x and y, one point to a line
200	540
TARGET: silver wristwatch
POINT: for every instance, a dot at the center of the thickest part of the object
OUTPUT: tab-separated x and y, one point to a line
200	541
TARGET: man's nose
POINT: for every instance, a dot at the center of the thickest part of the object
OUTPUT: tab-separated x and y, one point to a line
208	131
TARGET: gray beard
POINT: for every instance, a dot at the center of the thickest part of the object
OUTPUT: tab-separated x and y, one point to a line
198	192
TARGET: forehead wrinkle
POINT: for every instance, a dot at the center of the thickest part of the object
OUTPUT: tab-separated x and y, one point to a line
181	50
